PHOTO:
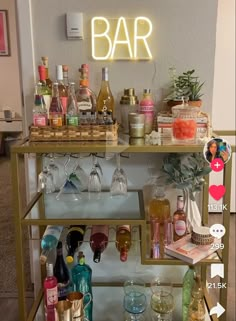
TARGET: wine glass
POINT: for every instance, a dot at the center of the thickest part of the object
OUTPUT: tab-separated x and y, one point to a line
54	170
119	184
79	178
45	181
162	300
135	301
68	190
94	182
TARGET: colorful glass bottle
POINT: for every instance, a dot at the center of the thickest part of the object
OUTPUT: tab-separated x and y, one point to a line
46	90
147	108
123	241
50	294
45	64
40	117
179	220
72	113
49	241
63	90
99	240
56	116
105	94
74	239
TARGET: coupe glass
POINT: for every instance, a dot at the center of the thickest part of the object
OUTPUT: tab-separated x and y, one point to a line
119	183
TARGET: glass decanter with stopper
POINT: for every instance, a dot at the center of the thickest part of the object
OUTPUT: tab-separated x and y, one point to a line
197	309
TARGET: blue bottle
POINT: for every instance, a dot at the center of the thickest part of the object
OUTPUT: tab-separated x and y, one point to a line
82	280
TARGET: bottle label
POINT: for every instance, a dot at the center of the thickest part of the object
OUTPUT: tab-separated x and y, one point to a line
53	230
40	120
52	296
63	289
56	120
134	126
180	227
72	120
84	105
147	109
123	228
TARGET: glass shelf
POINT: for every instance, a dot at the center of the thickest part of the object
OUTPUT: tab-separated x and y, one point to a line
109	307
106	209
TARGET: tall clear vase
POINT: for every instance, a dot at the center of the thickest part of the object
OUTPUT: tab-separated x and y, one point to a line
192	211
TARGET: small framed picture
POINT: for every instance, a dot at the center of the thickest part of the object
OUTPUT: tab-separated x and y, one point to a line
4	34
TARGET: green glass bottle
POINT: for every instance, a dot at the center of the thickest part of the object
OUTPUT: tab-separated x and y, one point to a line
188	282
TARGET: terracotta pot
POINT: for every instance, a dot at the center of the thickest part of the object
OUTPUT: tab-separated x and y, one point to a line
195	103
172	103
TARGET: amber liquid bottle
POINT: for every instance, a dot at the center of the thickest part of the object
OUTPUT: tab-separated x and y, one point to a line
179	220
105	101
159	210
123	241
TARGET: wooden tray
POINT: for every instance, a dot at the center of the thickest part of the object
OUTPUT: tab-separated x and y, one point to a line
74	133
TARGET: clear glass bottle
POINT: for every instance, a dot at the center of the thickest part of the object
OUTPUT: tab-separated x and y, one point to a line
105	94
49	241
197	309
72	113
86	98
188	282
74	239
99	240
50	294
82	280
56	117
40	117
159	209
123	241
179	220
61	273
46	90
147	108
63	90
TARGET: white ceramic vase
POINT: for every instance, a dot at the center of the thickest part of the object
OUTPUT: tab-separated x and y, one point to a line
192	211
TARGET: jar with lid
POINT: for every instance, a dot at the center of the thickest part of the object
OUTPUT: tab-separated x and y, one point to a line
184	126
128	104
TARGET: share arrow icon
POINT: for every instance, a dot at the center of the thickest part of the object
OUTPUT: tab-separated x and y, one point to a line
218	310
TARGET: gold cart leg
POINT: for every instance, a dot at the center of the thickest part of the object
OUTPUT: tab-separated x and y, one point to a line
225	240
19	240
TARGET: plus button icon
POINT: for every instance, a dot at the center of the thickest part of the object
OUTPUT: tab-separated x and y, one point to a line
217	165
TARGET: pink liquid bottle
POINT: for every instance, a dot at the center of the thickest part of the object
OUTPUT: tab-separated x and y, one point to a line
50	294
147	108
99	240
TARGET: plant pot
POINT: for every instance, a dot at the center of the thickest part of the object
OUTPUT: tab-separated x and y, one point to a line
195	103
172	103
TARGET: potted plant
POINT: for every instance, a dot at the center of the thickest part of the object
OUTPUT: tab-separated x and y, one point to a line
186	172
185	87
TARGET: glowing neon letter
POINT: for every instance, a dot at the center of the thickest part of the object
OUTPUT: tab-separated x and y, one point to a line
144	37
100	35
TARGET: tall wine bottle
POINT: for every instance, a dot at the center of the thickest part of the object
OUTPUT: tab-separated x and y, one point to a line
99	240
74	239
123	241
105	101
49	241
50	294
62	274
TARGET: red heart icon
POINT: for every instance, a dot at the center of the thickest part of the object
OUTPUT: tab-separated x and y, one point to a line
217	191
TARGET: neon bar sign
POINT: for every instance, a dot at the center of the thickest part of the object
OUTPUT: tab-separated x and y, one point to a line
121	39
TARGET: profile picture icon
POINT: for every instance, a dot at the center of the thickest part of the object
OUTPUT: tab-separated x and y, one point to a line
217	148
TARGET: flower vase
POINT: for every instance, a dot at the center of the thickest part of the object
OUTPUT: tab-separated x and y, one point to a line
192	211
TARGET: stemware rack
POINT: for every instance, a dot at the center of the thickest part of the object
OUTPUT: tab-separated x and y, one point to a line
23	217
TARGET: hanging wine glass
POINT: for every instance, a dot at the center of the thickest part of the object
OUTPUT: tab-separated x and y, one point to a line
45	181
54	170
78	177
68	191
119	180
94	182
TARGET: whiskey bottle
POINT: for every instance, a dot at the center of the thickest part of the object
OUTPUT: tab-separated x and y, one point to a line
105	99
179	220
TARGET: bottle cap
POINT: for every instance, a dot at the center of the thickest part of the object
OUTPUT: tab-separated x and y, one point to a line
43	259
147	91
65	67
69	259
59	72
49	268
123	255
97	256
129	97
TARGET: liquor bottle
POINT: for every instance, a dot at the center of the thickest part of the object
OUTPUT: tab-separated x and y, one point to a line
50	294
63	90
147	108
179	220
45	64
74	239
159	209
86	98
105	99
188	282
99	240
123	241
65	76
56	117
46	90
82	280
40	117
61	272
49	241
72	113
197	309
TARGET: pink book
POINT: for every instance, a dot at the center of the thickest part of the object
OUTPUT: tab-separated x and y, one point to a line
185	250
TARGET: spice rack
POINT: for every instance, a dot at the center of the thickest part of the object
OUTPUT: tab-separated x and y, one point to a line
23	217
